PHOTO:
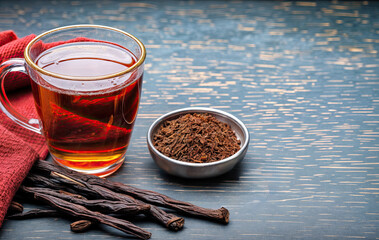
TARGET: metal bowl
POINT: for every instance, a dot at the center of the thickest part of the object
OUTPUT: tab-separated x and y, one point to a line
199	170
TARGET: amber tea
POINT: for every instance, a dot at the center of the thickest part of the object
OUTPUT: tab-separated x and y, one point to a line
87	124
86	82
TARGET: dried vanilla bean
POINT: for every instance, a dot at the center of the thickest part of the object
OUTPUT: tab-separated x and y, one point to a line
220	215
84	188
72	194
170	221
42	181
35	213
82	212
15	207
100	205
80	226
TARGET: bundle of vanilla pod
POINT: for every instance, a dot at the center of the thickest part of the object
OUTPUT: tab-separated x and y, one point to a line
91	200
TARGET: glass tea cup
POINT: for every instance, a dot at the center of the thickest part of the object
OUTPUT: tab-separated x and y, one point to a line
86	82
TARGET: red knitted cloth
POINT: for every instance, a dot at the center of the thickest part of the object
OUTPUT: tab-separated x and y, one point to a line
19	147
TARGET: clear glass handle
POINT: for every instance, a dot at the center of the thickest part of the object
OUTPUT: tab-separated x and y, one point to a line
15	65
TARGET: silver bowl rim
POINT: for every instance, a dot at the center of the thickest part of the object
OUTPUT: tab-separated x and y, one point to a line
202	109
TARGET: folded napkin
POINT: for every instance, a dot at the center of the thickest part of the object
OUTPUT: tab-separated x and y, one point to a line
19	147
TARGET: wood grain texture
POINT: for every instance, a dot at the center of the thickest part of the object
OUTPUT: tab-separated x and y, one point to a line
303	77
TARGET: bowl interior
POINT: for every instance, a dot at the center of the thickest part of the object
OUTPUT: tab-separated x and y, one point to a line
236	125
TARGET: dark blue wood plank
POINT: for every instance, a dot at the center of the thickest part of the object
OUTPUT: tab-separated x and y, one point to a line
303	76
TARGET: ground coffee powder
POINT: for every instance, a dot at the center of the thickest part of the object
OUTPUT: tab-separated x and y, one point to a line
196	138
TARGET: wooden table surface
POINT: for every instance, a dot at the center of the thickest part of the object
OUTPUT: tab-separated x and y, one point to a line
302	76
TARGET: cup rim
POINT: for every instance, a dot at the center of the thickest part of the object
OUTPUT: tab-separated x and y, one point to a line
31	63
